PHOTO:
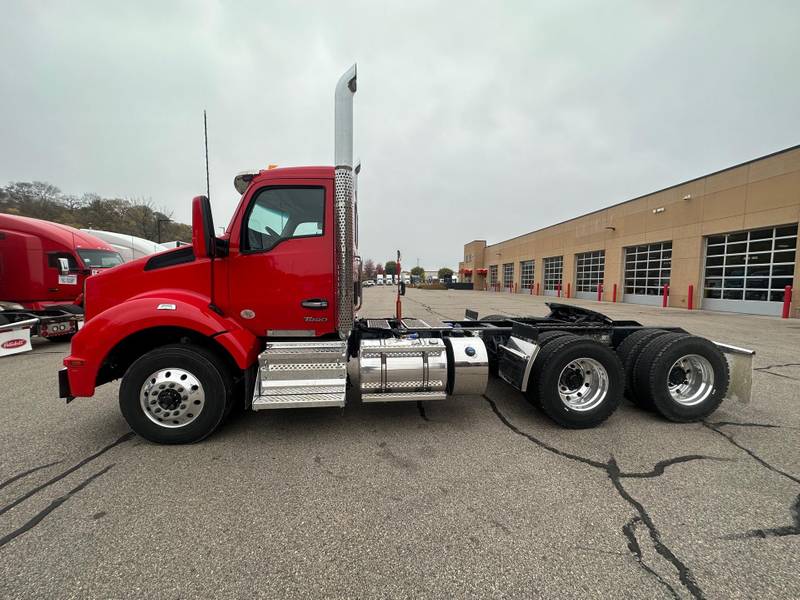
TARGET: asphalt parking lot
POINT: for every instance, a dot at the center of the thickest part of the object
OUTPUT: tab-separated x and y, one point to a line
469	497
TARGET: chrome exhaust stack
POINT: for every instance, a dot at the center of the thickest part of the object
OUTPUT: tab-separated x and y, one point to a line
343	200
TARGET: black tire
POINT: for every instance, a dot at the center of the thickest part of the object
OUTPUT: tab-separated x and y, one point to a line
494	318
543	340
548	336
546	375
654	372
215	384
640	392
628	351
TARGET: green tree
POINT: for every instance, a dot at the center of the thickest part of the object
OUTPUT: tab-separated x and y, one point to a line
390	267
418	272
445	274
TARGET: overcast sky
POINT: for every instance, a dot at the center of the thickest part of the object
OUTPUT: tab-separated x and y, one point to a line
473	120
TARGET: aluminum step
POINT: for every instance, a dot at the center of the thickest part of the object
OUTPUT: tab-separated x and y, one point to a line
303	374
403	396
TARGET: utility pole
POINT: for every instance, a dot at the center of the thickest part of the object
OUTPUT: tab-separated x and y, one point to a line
159	221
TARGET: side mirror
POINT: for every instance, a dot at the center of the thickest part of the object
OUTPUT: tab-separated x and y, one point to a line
402	288
203	228
63	266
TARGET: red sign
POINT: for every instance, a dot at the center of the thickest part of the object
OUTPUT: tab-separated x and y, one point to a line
16	343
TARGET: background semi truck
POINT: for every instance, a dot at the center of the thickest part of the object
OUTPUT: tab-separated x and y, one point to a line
130	247
43	267
266	317
44	264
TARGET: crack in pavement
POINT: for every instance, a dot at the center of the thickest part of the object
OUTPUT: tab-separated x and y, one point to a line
428	308
793	529
39	517
660	466
786	530
629	531
745	424
767	367
778	374
18	476
63	474
616	476
768	370
755	456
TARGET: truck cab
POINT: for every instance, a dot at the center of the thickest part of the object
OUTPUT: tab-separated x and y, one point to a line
44	264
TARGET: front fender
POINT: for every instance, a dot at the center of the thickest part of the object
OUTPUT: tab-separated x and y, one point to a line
166	308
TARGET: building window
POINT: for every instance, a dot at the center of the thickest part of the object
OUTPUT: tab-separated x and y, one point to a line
750	265
553	272
647	268
493	275
526	273
508	274
590	270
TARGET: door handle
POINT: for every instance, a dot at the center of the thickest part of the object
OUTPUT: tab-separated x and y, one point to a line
314	303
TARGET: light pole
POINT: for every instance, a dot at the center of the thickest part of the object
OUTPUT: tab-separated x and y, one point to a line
159	221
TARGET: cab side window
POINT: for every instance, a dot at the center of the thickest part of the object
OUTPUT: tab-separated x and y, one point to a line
52	260
277	214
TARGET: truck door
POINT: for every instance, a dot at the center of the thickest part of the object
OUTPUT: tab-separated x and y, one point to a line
281	275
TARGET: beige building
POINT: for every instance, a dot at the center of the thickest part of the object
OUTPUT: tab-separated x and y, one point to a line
731	235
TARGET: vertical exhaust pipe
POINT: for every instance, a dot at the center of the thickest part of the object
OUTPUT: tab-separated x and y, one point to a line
343	200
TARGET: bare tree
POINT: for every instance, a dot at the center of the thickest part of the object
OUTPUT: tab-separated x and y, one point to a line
369	269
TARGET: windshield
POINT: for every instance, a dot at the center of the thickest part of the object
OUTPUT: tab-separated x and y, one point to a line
99	259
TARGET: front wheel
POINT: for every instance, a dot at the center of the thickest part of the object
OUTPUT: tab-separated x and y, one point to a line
175	394
578	382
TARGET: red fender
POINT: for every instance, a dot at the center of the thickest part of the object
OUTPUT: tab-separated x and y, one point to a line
158	308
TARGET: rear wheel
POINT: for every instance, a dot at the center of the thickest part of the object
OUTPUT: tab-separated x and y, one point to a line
629	351
685	377
548	336
543	340
175	394
578	382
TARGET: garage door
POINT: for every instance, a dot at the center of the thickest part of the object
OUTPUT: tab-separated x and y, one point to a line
589	272
647	271
553	275
747	271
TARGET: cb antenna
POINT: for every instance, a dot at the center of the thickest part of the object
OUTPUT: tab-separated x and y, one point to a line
205	134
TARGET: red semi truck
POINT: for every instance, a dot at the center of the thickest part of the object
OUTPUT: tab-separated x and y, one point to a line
265	317
43	266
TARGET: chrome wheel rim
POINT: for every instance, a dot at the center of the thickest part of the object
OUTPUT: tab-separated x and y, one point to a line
583	384
172	398
690	380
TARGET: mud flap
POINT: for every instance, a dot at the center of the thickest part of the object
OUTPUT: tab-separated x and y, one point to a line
515	359
740	363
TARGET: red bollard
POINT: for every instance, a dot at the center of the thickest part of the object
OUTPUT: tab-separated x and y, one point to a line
690	299
537	289
558	290
665	295
787	301
568	289
599	292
